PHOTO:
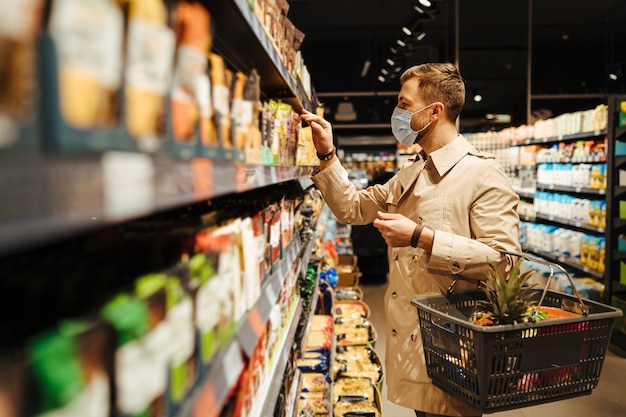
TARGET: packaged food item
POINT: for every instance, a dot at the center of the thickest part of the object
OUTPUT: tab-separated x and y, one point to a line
267	132
348	294
205	287
193	43
180	318
88	37
208	133
70	367
241	113
314	382
19	25
220	90
319	404
351	309
354	389
140	361
150	47
353	335
350	408
252	94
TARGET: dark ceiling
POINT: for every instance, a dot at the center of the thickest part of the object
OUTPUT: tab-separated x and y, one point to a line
570	46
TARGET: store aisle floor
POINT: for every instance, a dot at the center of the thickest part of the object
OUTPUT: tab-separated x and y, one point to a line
607	400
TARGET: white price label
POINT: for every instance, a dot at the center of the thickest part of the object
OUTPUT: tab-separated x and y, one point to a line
232	364
128	182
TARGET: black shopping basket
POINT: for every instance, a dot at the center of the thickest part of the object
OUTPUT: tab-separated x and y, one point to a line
503	367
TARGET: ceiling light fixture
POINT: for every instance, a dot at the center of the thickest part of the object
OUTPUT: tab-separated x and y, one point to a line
401	43
390	62
419	9
366	67
407	31
421	36
478	98
384	71
381	78
425	3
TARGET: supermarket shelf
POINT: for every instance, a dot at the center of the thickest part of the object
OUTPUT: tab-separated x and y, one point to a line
295	394
249	330
568	222
265	401
566	189
619	161
567	262
619	255
244	43
619	191
582	160
619	224
530	194
53	197
211	391
577	136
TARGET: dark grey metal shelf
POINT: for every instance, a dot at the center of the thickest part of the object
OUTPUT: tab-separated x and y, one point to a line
47	198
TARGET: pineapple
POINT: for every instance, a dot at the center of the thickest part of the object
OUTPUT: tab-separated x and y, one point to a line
509	299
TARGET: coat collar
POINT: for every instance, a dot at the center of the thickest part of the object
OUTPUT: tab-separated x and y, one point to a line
442	159
445	158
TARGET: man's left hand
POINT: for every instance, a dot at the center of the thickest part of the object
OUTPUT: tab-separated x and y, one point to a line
395	228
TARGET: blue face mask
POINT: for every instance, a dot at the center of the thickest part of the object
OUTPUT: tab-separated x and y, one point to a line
401	126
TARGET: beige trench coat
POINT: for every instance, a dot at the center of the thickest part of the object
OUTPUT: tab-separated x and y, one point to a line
466	198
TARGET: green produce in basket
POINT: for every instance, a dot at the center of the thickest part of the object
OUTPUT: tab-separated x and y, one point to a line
509	299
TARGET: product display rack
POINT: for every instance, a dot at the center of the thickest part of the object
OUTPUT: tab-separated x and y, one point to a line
228	364
51	197
579	191
614	194
238	29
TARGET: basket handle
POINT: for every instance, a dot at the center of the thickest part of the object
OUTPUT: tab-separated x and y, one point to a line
551	265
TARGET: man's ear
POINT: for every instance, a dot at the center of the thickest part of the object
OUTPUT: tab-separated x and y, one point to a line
438	109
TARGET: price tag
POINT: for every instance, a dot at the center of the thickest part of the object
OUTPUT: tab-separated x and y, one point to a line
256	322
232	365
273	175
241	177
251	330
265	305
202	176
128	183
206	404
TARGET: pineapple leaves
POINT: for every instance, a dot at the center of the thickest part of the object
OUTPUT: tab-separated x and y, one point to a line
509	298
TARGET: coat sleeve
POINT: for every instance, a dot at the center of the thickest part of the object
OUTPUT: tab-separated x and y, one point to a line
494	225
348	204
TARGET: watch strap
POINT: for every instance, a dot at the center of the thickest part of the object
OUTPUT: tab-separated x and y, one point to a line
326	156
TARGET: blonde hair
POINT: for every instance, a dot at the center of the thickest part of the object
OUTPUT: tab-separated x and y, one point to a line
439	82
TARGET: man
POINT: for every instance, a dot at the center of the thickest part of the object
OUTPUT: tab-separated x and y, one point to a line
444	218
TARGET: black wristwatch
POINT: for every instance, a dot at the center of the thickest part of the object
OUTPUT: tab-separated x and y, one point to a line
326	156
